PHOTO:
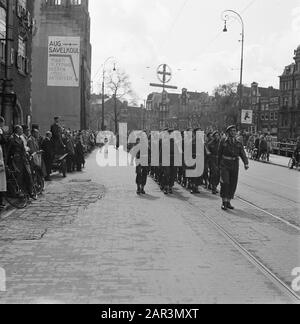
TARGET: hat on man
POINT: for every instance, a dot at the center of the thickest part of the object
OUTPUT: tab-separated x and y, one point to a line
35	126
230	128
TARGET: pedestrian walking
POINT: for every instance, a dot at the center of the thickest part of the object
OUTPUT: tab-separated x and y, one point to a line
229	153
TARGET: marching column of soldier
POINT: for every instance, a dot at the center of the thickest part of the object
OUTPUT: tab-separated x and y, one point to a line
222	154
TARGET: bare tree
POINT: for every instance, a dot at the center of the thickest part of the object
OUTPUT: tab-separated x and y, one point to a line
119	85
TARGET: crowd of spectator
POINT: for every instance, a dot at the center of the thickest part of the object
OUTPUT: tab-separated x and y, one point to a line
17	148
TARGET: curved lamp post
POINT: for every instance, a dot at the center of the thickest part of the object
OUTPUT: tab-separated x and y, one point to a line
103	90
226	16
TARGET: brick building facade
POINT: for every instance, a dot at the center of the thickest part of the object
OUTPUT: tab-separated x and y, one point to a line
289	114
69	19
264	102
16	29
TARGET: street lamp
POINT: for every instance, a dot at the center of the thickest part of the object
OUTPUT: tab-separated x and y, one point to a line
227	14
103	90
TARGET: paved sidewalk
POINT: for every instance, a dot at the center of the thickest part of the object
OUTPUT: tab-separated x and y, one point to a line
120	248
279	160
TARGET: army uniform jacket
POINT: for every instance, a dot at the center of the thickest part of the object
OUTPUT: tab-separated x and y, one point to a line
230	150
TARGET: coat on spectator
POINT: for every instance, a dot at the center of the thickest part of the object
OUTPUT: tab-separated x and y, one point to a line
2	172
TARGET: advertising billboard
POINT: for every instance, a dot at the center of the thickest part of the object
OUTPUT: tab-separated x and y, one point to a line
63	61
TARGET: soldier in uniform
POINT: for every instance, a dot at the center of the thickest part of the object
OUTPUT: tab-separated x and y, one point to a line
230	150
213	147
141	170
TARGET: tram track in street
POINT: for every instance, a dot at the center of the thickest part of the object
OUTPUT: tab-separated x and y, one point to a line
296	227
254	260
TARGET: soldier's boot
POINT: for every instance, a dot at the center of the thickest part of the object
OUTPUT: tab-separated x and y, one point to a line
229	206
138	190
224	205
214	191
166	190
143	190
171	190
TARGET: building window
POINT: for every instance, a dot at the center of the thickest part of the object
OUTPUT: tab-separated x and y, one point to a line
2	33
22	61
272	116
262	117
276	116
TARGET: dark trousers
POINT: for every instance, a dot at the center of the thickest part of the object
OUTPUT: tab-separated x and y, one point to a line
168	176
1	198
229	178
70	163
48	165
141	175
214	172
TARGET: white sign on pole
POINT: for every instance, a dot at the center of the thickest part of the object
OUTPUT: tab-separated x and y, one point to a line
247	117
63	61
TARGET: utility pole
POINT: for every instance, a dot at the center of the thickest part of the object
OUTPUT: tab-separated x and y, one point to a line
226	16
103	102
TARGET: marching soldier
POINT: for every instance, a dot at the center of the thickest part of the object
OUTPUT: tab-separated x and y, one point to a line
230	150
141	170
213	147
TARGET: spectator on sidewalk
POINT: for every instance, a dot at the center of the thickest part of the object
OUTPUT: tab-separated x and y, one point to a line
79	153
48	154
2	163
70	147
296	159
33	142
263	147
57	137
17	159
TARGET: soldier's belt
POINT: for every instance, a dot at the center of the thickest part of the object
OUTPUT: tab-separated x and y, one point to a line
230	158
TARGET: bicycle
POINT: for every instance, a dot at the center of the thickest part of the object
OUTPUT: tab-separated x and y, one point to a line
37	172
252	154
264	157
293	163
15	195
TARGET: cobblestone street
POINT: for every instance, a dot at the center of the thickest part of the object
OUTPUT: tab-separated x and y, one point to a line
90	239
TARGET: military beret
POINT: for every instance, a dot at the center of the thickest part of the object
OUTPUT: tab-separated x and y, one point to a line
230	128
215	133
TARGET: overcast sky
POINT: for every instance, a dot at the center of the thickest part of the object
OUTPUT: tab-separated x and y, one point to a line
187	35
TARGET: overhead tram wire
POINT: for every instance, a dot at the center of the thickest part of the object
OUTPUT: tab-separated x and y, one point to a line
210	42
180	12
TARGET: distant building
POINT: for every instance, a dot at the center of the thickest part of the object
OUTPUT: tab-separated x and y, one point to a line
17	24
184	110
61	63
133	116
265	105
289	114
